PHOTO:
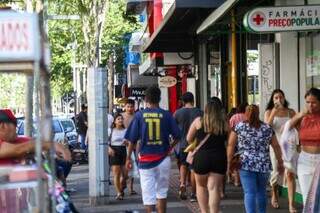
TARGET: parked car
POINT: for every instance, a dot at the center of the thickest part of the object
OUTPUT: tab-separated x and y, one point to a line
63	130
69	129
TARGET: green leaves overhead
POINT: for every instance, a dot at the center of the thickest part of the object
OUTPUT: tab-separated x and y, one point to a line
86	31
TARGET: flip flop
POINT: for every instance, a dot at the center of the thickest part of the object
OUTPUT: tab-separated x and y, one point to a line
133	192
293	210
119	197
275	204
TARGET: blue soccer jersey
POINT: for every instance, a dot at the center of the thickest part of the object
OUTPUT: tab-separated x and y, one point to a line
153	127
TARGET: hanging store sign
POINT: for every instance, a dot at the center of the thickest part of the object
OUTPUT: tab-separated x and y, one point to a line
167	81
278	19
19	37
137	92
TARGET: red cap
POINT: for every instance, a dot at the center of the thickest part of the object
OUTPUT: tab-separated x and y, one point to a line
7	116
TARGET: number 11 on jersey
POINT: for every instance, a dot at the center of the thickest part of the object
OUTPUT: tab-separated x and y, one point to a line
153	126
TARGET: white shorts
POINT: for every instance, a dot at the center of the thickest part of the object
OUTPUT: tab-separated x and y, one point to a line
155	182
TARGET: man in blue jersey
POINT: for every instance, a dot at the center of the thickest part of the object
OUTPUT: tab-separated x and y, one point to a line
153	126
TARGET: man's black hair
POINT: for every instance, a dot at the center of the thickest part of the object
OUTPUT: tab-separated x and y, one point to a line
84	107
187	98
153	95
130	101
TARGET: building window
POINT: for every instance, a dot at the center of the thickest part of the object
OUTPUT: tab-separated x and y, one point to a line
313	60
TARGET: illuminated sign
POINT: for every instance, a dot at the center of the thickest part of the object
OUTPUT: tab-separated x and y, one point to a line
277	19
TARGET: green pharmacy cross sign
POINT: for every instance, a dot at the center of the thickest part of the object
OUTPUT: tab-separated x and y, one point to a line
279	19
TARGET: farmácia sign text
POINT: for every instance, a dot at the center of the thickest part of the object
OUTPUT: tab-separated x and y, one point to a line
277	19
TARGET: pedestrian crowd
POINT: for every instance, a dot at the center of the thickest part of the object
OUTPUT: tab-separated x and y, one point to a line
211	148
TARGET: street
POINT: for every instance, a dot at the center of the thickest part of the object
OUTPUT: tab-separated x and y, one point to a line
78	180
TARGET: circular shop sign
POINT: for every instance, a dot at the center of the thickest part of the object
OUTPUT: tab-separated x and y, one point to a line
167	81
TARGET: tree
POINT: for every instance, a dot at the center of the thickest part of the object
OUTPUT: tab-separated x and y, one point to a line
118	25
12	91
87	31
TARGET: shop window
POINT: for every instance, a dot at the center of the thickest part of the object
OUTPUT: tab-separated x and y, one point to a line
313	60
214	72
253	76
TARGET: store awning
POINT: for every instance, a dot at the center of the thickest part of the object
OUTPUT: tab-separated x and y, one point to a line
177	31
219	18
216	15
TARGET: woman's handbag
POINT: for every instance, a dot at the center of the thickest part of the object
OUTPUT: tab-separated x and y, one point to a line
191	154
191	146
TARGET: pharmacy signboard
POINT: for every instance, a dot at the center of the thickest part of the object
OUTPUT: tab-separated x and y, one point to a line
278	19
19	37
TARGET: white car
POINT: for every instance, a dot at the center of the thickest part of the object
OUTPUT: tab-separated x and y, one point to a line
63	130
69	128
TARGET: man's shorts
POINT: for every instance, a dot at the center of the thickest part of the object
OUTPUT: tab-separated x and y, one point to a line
155	182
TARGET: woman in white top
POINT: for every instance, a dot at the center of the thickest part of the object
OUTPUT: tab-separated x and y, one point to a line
276	115
118	153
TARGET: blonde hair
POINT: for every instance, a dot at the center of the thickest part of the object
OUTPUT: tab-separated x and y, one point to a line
214	118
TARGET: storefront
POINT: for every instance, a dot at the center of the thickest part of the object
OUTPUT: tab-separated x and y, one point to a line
289	58
184	53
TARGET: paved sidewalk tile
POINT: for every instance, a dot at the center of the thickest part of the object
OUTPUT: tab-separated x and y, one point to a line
78	179
232	203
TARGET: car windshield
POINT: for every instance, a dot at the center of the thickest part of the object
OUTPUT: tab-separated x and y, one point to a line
56	128
67	125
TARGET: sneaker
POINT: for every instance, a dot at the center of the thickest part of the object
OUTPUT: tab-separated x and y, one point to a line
193	198
182	193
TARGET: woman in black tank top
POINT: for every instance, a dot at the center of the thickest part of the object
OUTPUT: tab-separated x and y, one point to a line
210	162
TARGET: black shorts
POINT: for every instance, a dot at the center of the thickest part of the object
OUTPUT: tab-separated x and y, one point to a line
119	157
206	161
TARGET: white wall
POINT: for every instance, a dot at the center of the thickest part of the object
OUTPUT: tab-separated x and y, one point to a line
289	66
174	59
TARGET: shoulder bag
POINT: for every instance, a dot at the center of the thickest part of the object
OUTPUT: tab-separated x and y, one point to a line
191	154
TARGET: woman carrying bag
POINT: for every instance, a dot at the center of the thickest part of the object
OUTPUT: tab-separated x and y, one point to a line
118	153
254	138
209	160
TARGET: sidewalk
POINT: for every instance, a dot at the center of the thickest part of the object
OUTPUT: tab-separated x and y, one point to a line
78	179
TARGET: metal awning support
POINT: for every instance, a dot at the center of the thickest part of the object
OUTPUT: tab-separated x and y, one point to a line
216	15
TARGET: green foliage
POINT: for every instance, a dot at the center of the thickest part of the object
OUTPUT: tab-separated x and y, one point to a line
62	33
12	91
117	25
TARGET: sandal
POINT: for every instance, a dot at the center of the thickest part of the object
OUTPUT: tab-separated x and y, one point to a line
293	210
133	192
275	204
119	196
182	193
